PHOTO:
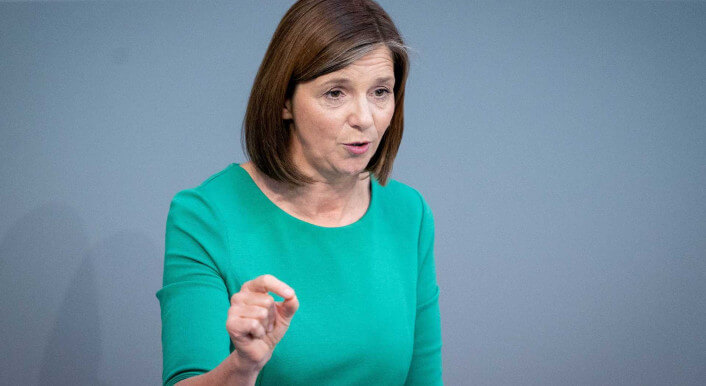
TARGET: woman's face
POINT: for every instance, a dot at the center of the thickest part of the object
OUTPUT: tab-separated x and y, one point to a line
334	111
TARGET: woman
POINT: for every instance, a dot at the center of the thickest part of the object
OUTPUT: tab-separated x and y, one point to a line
312	218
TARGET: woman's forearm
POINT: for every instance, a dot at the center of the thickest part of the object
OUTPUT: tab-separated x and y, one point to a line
231	371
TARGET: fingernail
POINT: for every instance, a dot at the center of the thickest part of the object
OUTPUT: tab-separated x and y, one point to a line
288	292
269	328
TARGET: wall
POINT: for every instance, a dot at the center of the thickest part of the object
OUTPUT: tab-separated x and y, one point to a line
560	145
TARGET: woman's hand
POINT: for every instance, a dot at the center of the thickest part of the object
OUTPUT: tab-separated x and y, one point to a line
256	323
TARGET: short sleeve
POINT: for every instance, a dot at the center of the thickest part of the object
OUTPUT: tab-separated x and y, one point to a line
194	300
425	368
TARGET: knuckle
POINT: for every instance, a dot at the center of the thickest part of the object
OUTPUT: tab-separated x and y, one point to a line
268	277
263	313
269	301
231	325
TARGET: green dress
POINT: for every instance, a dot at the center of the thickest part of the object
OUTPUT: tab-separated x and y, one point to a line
368	295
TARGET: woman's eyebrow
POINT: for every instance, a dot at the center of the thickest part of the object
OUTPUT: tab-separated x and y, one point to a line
341	80
385	80
336	80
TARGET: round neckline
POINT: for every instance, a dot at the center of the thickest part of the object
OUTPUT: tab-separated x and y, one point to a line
276	208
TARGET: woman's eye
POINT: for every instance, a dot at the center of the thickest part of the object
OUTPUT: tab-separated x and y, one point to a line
337	95
334	94
381	92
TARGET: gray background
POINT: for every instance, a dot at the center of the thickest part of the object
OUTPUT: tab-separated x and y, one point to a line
561	146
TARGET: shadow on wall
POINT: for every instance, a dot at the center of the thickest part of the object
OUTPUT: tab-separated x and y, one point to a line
75	314
73	352
129	272
50	333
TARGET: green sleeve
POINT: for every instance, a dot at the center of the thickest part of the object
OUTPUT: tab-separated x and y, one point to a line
425	368
194	300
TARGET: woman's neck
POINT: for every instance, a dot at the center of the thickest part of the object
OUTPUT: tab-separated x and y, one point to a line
323	203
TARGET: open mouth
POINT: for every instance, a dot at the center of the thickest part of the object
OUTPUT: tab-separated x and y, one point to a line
358	148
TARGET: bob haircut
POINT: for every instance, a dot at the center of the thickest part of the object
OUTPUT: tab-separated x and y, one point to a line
314	38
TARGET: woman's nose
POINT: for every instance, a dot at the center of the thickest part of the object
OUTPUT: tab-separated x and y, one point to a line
361	115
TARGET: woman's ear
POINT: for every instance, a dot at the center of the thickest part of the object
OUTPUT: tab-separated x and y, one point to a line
287	110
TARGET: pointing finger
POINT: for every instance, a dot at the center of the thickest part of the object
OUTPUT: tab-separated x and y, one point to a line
289	307
268	283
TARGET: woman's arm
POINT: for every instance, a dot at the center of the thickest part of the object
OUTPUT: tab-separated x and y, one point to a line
425	368
229	372
194	299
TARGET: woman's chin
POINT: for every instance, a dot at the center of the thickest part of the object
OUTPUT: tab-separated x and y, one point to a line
356	166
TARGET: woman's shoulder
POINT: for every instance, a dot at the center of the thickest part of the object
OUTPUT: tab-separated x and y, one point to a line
402	198
219	189
222	181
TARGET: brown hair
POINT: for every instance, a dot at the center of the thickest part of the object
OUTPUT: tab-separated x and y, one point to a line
316	37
